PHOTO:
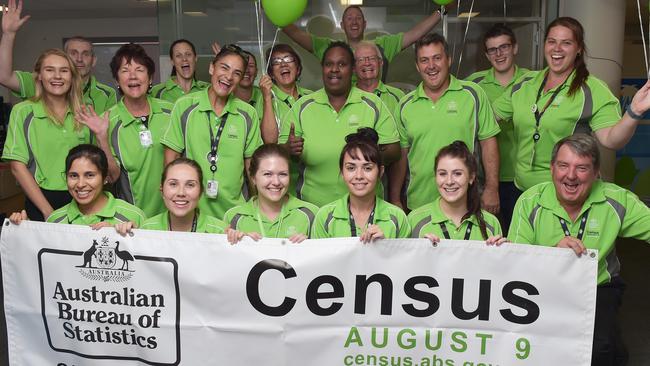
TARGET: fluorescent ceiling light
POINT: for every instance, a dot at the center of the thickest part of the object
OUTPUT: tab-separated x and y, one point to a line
468	15
351	2
195	13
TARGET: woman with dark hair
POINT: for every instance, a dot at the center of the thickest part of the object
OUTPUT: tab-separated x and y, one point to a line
43	129
182	54
361	212
246	89
563	99
86	169
273	213
457	213
181	187
280	88
137	123
217	130
314	130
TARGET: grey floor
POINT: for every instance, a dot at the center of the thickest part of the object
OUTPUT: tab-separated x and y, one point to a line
635	312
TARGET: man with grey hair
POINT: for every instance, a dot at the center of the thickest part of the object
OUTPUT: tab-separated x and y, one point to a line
579	211
80	50
368	65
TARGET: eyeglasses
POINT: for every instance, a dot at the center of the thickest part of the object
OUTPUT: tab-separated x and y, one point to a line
282	60
367	59
502	49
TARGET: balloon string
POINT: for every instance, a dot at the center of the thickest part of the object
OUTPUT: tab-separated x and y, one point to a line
645	46
268	61
504	10
260	32
453	50
469	18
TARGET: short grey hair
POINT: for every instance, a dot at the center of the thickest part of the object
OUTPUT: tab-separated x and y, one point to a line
372	45
581	144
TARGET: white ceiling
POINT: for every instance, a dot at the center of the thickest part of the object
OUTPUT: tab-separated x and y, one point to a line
76	9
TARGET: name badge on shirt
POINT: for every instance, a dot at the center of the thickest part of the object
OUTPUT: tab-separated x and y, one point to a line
145	138
212	188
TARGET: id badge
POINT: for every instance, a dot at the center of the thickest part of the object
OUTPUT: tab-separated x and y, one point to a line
212	188
145	138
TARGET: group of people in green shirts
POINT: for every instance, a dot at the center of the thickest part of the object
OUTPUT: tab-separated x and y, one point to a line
281	161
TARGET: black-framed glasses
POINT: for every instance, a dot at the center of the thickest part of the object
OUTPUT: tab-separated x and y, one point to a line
502	49
282	60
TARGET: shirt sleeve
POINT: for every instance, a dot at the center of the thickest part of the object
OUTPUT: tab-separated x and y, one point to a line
502	106
401	128
494	223
320	44
404	225
16	143
521	231
636	223
27	85
254	137
390	44
385	126
606	110
488	126
112	98
318	229
173	138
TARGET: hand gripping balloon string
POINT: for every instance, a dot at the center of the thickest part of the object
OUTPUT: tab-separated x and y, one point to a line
645	45
469	18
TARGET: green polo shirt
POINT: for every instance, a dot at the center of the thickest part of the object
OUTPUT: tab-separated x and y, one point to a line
324	131
613	212
282	102
257	101
204	224
99	95
462	112
140	167
390	95
389	45
333	220
428	219
296	217
171	91
114	212
36	141
188	134
506	138
592	107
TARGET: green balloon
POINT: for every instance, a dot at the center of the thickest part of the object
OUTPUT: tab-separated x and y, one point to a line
284	12
443	2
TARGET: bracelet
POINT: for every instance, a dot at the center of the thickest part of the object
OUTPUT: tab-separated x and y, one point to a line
632	114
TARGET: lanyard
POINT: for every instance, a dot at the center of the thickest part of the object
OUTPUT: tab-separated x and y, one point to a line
194	219
353	225
445	232
581	230
539	113
145	121
214	142
259	220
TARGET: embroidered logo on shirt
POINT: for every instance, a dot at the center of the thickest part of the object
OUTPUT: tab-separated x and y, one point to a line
353	120
452	107
233	133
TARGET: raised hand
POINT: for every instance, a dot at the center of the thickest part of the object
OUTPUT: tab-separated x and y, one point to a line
295	143
11	20
97	125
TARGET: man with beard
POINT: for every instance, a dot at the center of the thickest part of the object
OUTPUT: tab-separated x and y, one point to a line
577	210
441	110
80	49
316	126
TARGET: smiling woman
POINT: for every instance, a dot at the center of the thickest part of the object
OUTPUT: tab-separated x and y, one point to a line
42	130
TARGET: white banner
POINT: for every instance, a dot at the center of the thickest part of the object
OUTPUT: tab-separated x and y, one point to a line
79	297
